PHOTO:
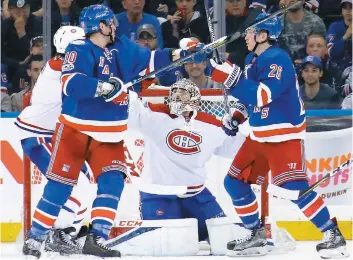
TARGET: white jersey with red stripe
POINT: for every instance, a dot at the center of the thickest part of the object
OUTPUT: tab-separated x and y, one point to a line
39	118
175	153
270	89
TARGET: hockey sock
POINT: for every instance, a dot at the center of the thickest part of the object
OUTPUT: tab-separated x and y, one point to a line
54	197
244	201
312	205
110	186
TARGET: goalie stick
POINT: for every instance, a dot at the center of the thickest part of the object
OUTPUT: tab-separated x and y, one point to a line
211	46
297	194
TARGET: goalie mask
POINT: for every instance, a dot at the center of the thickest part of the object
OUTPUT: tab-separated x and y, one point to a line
184	96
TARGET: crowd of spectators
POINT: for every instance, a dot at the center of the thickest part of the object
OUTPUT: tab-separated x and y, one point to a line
317	36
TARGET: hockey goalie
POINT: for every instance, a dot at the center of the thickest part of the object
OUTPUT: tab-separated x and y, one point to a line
177	209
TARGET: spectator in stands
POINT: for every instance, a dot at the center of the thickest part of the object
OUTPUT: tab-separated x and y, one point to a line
297	25
5	98
35	8
339	37
133	18
16	32
191	22
34	69
160	8
236	14
196	73
84	3
64	12
147	37
317	46
21	79
347	92
116	6
317	95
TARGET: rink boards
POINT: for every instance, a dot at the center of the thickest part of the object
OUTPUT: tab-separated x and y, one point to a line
324	152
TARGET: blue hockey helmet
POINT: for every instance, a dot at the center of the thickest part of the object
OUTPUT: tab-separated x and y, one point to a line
273	26
93	15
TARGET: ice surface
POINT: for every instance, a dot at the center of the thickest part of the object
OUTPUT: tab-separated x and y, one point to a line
304	251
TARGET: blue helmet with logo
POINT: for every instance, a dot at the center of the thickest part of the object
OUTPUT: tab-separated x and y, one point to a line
273	26
93	15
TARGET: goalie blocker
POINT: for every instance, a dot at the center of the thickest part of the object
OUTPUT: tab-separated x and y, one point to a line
179	237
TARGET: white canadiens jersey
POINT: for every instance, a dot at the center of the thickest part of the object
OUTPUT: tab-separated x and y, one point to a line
175	155
39	119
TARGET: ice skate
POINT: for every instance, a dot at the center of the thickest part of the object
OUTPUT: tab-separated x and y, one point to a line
60	240
81	236
94	246
333	245
32	247
252	245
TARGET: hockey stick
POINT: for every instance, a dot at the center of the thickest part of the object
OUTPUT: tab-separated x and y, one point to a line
211	46
297	194
215	52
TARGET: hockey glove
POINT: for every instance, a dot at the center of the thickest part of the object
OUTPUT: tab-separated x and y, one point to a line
226	73
189	46
312	5
238	115
230	125
115	91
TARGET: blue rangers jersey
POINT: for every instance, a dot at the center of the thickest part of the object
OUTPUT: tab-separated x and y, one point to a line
339	50
84	65
270	89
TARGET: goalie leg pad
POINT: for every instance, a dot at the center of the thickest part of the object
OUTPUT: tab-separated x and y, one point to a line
177	237
221	231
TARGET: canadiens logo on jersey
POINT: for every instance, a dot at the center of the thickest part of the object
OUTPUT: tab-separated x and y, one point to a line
184	142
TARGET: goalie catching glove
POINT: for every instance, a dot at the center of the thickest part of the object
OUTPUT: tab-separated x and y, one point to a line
231	121
111	90
226	73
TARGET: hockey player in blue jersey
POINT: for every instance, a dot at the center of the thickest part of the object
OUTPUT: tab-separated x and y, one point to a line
92	125
269	88
36	125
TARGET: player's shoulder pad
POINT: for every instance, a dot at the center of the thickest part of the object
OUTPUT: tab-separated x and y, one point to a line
274	55
132	47
78	45
55	63
208	119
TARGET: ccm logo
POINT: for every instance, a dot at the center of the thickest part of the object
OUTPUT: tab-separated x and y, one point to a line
184	142
132	223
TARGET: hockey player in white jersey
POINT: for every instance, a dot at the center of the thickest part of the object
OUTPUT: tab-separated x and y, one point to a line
36	125
179	141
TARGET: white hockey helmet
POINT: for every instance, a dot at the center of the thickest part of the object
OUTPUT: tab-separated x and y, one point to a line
65	35
184	96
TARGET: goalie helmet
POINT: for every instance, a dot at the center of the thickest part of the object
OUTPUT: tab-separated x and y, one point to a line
184	96
65	35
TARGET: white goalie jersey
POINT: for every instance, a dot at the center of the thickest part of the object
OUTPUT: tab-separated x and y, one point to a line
39	119
175	154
